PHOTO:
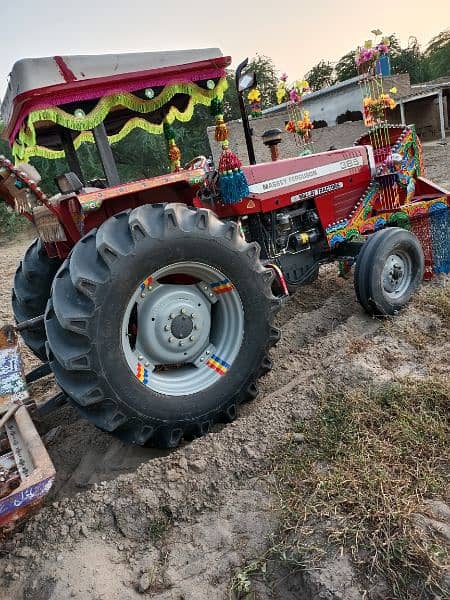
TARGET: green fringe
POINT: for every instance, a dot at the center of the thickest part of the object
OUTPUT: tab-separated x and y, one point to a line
25	146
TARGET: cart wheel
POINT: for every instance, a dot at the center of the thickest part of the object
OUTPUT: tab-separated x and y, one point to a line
388	271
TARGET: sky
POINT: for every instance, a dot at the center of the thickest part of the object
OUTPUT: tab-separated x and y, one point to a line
294	33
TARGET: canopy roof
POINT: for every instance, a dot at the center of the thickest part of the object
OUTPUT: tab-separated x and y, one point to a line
42	88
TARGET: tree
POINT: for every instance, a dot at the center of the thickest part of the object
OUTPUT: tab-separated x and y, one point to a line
346	67
266	81
409	60
321	75
437	55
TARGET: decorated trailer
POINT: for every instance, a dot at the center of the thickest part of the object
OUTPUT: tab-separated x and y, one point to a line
152	301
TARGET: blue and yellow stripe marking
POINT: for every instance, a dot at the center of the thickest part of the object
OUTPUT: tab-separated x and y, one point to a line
221	287
142	374
218	364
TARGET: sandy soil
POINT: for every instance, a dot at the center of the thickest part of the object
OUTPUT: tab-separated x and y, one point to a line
124	521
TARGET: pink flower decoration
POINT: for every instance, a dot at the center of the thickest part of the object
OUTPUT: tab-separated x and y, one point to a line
284	77
294	96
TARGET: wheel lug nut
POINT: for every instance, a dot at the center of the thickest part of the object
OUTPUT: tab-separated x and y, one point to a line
195	326
180	343
140	357
193	315
166	327
208	352
172	315
146	364
183	311
169	340
202	359
143	295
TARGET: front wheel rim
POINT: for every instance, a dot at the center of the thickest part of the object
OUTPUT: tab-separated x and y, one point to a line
396	276
182	328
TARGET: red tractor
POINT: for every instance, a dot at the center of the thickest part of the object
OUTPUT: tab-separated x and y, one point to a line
153	301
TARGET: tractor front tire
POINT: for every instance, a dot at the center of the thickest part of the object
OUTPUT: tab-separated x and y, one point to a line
31	291
160	323
388	271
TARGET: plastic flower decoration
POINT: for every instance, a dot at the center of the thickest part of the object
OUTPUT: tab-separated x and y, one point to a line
302	127
254	97
294	96
281	92
370	53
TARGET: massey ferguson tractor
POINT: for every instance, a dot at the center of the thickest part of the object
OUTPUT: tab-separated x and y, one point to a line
152	301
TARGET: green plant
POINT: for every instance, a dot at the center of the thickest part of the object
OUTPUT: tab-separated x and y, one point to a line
10	221
369	460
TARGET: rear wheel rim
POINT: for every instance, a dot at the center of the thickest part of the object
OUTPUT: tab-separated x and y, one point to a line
182	328
396	276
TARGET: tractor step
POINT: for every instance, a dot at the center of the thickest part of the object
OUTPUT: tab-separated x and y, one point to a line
26	470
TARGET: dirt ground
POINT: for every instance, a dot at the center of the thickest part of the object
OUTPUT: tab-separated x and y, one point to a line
124	521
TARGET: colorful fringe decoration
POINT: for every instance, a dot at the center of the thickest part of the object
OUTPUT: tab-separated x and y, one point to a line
48	226
25	143
233	184
174	152
221	132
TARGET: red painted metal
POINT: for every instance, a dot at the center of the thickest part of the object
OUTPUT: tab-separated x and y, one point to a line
330	205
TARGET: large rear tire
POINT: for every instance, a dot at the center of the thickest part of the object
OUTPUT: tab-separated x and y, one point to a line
31	291
160	322
389	269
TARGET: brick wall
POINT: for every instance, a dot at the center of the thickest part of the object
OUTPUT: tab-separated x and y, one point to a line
339	136
425	114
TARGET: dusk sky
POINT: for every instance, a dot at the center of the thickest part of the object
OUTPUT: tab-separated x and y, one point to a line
295	34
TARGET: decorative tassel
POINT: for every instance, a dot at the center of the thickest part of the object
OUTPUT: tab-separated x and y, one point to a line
221	132
48	226
174	152
233	184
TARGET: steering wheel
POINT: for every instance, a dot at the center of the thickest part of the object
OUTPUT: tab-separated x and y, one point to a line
198	162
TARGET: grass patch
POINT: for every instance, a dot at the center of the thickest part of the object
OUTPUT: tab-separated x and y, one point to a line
369	459
436	298
10	221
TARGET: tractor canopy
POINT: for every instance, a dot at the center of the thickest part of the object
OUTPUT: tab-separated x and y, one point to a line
56	102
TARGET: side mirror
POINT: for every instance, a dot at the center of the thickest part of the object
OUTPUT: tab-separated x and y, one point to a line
68	183
247	81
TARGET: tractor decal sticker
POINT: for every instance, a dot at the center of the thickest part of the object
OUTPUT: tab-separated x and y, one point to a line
217	364
142	374
348	164
318	191
146	283
220	287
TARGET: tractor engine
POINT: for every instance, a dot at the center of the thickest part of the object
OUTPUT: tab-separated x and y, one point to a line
289	237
